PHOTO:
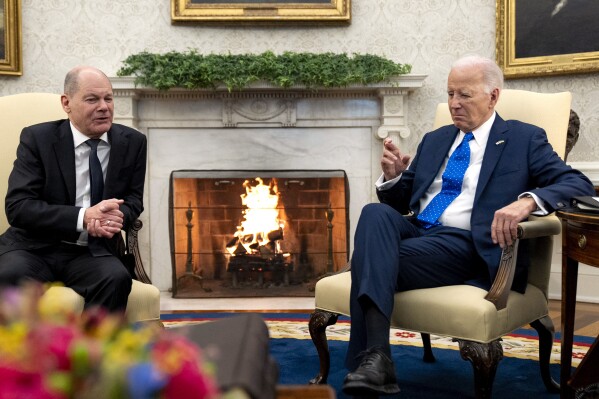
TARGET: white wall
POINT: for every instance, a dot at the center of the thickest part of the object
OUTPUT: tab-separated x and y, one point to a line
429	34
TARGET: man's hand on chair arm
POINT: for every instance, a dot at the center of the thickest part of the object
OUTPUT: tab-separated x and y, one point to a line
504	229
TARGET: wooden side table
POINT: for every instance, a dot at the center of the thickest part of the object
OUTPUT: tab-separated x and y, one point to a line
305	392
580	243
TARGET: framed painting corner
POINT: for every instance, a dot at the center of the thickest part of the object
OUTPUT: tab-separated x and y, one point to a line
10	38
323	12
536	38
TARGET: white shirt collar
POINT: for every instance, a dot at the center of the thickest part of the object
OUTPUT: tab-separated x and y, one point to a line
484	129
80	138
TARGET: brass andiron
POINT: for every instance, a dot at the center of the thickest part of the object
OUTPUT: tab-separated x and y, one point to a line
189	262
330	214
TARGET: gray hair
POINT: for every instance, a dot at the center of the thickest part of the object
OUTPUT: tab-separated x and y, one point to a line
492	74
71	80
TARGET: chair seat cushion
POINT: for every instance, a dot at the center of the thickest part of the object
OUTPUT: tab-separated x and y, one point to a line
143	303
458	311
60	300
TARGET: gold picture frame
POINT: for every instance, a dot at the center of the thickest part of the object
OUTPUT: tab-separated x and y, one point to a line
543	38
10	38
261	11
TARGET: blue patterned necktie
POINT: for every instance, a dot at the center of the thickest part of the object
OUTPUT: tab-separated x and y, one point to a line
453	177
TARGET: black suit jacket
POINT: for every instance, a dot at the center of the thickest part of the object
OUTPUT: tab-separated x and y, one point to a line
40	202
518	158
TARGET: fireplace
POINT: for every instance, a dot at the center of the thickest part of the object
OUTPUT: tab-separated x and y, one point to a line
256	233
291	129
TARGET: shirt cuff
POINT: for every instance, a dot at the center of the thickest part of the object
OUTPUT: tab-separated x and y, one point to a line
80	220
381	184
540	211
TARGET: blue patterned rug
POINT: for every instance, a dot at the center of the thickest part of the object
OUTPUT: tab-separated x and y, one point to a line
449	377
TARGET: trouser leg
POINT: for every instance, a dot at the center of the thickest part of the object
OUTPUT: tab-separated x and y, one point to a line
102	281
374	273
377	326
390	255
19	266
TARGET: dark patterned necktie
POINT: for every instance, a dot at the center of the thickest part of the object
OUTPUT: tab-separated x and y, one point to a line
453	177
96	182
96	177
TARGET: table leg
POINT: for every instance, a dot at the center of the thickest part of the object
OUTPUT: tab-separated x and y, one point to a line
569	286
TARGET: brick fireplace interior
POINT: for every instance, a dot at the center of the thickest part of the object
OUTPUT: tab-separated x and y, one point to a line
216	253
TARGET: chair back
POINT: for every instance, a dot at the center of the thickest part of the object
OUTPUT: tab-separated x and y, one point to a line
549	111
16	112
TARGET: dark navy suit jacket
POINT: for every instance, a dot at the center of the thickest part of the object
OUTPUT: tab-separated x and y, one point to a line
518	159
40	202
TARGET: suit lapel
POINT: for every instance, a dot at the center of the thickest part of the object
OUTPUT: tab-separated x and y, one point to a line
495	146
432	160
65	155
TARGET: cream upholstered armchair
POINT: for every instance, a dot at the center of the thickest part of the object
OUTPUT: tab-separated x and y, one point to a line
477	319
18	111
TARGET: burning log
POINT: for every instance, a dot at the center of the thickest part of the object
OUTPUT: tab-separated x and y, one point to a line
238	246
255	246
275	235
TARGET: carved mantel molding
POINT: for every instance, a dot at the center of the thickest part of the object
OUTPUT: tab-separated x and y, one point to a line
263	104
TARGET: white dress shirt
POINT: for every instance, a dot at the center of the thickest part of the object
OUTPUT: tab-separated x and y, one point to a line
82	183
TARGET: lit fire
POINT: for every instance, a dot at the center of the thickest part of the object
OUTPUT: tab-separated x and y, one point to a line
261	223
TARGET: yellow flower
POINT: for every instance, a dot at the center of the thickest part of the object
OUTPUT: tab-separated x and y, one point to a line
12	340
128	346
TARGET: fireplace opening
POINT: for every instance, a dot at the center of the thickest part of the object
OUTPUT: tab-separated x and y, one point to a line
249	233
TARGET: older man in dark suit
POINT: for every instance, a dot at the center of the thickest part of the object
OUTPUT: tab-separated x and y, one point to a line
75	185
466	189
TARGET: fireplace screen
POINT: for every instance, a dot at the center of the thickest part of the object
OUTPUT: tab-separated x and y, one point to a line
256	233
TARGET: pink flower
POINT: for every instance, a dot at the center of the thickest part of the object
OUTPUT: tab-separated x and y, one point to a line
190	383
177	356
50	346
171	351
19	384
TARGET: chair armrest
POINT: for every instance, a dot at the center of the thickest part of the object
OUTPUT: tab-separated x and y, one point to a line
539	226
345	268
133	249
535	227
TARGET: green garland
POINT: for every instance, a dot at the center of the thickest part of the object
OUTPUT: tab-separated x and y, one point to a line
191	70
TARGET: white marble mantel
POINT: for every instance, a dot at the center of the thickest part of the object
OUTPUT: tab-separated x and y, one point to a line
392	95
260	128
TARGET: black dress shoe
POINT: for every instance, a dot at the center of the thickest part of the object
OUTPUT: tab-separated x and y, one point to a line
374	376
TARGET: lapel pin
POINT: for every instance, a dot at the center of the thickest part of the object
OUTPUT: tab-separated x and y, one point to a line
500	142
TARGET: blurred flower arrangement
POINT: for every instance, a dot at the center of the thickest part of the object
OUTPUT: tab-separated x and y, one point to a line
48	353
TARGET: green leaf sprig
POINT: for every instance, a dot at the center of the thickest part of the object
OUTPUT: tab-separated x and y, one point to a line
192	70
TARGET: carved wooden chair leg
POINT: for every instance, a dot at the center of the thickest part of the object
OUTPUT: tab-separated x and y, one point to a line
546	330
484	359
428	356
319	321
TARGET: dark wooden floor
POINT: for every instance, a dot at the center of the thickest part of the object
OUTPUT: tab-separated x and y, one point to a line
586	322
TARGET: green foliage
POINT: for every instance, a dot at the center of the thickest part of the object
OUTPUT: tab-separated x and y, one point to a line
191	70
